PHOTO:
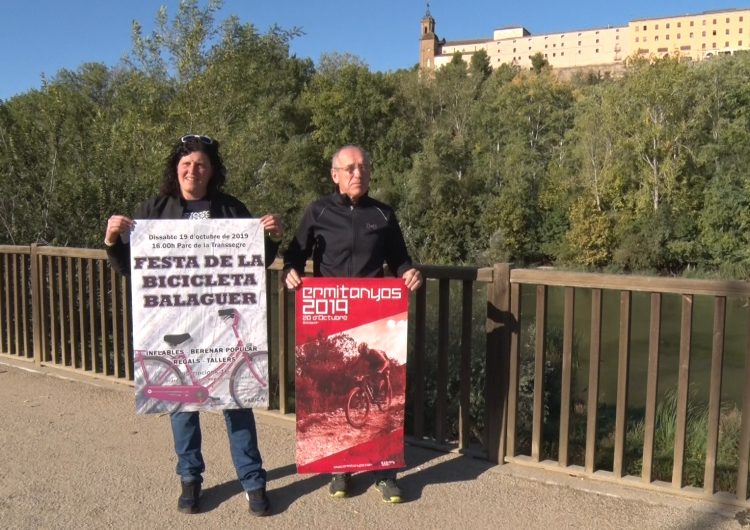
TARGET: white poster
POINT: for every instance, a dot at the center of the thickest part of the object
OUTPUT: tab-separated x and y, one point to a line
199	315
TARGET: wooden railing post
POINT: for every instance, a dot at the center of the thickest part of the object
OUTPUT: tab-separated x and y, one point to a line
36	313
498	327
416	364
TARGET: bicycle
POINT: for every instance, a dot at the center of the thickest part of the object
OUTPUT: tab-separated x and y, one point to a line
165	389
360	397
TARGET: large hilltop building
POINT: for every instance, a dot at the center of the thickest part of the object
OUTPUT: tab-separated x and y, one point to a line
692	37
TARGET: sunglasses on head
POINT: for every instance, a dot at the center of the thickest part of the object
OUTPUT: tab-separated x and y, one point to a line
199	137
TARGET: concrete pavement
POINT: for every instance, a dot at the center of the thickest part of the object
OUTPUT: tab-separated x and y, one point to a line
75	455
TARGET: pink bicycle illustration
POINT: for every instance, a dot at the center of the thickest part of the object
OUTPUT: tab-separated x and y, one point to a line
164	388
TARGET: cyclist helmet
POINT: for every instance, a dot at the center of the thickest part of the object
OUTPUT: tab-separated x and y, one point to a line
362	348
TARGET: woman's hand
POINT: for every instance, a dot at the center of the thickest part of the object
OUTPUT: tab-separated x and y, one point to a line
116	225
273	226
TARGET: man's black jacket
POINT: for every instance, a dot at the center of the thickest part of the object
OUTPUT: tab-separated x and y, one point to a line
348	239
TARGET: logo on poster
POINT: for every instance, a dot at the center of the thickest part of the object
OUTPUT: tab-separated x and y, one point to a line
332	303
324	309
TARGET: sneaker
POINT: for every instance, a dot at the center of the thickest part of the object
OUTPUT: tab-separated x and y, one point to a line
258	502
390	490
188	501
339	485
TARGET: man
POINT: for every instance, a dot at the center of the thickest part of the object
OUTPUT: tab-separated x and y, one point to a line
375	364
350	234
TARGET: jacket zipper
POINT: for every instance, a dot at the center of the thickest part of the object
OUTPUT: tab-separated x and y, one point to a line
354	238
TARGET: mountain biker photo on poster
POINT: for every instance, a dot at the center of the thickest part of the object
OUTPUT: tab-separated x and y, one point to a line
199	315
350	374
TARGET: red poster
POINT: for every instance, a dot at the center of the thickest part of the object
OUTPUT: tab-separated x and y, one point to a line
350	374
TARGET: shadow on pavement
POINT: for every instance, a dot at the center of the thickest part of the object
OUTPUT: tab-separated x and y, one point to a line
212	497
420	473
281	498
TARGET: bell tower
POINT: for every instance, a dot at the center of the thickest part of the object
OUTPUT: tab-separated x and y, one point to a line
428	42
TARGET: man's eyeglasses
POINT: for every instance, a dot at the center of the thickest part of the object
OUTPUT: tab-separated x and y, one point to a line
351	168
199	137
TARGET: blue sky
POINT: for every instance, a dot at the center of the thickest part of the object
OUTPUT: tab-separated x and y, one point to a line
42	36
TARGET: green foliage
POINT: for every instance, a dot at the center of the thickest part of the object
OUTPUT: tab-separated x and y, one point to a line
480	64
589	237
538	63
646	172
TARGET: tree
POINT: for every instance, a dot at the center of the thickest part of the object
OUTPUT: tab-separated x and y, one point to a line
184	41
538	63
480	64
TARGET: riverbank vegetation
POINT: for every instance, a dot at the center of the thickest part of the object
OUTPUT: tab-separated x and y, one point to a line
646	172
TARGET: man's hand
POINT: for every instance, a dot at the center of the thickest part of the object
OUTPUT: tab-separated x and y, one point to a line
291	279
412	279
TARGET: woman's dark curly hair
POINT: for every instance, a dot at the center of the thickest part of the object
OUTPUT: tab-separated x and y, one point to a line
192	143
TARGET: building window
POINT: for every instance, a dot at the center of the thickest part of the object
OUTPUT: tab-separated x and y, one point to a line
740	30
667	25
726	44
636	39
579	42
739	43
554	55
644	27
713	33
597	50
703	22
563	53
726	32
617	37
656	37
691	34
554	45
679	24
514	50
691	23
714	21
636	28
645	39
678	36
579	52
713	45
667	37
597	41
703	33
703	46
740	19
727	20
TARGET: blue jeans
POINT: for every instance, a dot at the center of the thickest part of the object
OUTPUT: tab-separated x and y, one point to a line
243	446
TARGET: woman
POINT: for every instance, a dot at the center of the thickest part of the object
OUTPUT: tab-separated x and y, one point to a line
191	189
